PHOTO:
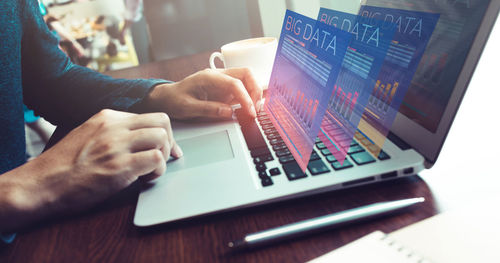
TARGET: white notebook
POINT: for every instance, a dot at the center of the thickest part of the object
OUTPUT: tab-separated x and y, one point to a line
471	235
376	247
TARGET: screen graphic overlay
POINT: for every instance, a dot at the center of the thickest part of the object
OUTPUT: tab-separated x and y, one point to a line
305	70
413	31
442	62
360	68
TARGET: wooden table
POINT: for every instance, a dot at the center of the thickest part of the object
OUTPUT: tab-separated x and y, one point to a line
107	234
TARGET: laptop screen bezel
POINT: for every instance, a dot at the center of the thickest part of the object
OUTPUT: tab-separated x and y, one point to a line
422	140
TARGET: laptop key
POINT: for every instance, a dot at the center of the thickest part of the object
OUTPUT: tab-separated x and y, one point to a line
283	153
263	159
274	171
272	133
273	136
276	141
365	142
262	118
268	126
261	167
252	136
259	152
337	166
317	167
362	158
269	131
266	181
279	147
286	159
243	118
314	156
355	149
293	171
262	174
383	156
265	122
331	158
320	145
326	152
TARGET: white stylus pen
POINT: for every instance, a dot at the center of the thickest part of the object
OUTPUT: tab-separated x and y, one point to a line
320	223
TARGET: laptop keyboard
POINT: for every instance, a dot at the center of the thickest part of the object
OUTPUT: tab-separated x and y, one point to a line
261	153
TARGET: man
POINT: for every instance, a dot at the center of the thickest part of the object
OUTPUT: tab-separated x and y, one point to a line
136	22
112	148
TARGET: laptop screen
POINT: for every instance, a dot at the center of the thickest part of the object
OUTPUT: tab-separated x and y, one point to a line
444	57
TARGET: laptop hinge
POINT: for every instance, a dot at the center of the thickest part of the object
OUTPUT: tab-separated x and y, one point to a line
405	146
398	141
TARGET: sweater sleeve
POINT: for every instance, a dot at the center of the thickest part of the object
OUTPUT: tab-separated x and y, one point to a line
65	93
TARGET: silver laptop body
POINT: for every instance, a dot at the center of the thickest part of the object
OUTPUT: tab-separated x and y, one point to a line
217	172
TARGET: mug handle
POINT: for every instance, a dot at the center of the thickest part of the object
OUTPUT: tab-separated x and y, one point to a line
213	57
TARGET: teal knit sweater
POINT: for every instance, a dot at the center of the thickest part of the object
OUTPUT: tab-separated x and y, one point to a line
33	70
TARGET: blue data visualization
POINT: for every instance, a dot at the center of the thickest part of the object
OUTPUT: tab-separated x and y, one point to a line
307	63
371	40
413	32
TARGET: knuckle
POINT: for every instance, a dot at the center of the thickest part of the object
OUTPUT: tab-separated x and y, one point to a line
246	71
105	124
157	157
162	170
207	109
105	113
164	117
104	120
114	165
163	134
236	82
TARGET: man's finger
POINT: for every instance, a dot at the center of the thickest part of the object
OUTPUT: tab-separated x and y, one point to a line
147	139
234	85
152	120
248	79
211	109
173	147
146	162
148	120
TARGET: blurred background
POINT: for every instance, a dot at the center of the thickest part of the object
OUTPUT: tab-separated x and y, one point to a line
115	34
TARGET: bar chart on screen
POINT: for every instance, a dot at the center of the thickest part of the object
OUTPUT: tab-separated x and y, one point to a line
352	91
405	52
382	96
342	103
306	67
347	102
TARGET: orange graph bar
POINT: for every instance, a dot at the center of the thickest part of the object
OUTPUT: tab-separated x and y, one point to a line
393	92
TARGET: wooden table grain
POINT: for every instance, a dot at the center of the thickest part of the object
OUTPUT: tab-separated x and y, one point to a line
107	234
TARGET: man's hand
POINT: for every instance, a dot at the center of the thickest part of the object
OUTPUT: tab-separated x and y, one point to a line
207	94
102	156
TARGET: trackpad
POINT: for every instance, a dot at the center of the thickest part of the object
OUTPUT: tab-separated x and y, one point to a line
202	150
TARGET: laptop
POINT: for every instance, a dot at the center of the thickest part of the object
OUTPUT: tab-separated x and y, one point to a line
243	163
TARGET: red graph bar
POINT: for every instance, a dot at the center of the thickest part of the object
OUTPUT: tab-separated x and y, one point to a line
316	102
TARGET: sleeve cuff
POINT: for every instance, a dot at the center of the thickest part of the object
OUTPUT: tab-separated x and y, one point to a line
7	238
139	106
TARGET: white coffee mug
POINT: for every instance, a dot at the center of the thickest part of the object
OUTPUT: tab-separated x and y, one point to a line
257	54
